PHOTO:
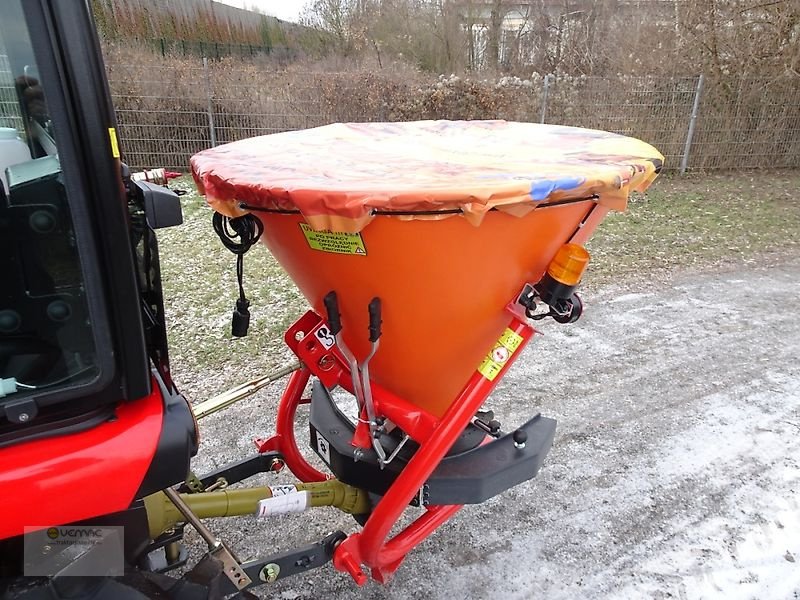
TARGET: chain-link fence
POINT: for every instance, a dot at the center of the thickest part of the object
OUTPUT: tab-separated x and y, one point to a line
748	123
657	110
9	105
215	50
170	110
167	116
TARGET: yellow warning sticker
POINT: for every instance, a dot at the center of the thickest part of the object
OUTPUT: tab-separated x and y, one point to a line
499	355
334	241
112	135
510	340
489	369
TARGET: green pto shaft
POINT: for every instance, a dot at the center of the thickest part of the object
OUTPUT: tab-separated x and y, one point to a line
163	515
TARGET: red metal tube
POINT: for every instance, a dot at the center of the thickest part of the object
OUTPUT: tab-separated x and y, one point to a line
412	419
366	547
284	440
405	541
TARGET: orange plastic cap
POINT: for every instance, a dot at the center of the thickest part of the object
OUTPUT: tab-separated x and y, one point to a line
569	263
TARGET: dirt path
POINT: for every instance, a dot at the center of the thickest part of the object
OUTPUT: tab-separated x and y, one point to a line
676	467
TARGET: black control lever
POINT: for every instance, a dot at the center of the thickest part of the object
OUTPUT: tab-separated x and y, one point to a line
331	303
332	308
375	319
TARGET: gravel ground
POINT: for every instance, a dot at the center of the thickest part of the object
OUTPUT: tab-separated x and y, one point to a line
675	471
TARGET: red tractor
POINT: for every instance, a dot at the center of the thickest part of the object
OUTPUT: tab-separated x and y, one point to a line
96	441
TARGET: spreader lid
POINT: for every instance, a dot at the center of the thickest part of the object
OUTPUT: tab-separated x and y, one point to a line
341	176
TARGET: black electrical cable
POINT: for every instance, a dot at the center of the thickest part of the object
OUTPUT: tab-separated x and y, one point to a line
239	234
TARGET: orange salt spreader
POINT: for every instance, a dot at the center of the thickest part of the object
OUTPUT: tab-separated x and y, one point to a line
425	250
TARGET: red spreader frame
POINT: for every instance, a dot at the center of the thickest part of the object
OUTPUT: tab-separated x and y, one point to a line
372	547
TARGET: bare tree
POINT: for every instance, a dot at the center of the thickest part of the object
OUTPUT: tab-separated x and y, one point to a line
592	37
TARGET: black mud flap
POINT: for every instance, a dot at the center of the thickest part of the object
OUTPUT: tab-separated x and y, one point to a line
469	477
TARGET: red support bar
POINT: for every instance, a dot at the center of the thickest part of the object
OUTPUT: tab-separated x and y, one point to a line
366	547
362	437
435	436
413	420
419	424
284	441
408	539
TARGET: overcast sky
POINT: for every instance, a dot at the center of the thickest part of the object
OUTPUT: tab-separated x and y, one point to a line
288	10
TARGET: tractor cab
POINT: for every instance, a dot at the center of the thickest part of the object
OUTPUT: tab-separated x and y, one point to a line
80	298
85	391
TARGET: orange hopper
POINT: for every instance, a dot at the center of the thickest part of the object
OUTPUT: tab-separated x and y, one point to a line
444	221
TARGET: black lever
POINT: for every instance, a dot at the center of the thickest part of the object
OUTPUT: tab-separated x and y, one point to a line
332	308
375	319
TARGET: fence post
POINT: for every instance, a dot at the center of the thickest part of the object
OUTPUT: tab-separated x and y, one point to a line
545	91
692	120
210	110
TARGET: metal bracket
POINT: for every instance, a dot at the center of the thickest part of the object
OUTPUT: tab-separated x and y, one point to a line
237	471
193	485
232	569
150	560
279	566
311	340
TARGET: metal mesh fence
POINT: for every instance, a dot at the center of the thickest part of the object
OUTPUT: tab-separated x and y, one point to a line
166	115
9	106
216	50
657	110
747	124
162	114
168	111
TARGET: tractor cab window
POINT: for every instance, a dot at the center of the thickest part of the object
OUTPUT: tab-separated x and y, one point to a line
46	340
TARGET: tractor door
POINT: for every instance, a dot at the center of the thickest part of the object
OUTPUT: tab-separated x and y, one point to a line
71	331
85	392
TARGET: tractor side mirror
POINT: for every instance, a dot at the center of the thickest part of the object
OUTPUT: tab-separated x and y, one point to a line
162	207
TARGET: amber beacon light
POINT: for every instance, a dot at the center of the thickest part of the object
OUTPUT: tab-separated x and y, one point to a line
557	287
568	265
